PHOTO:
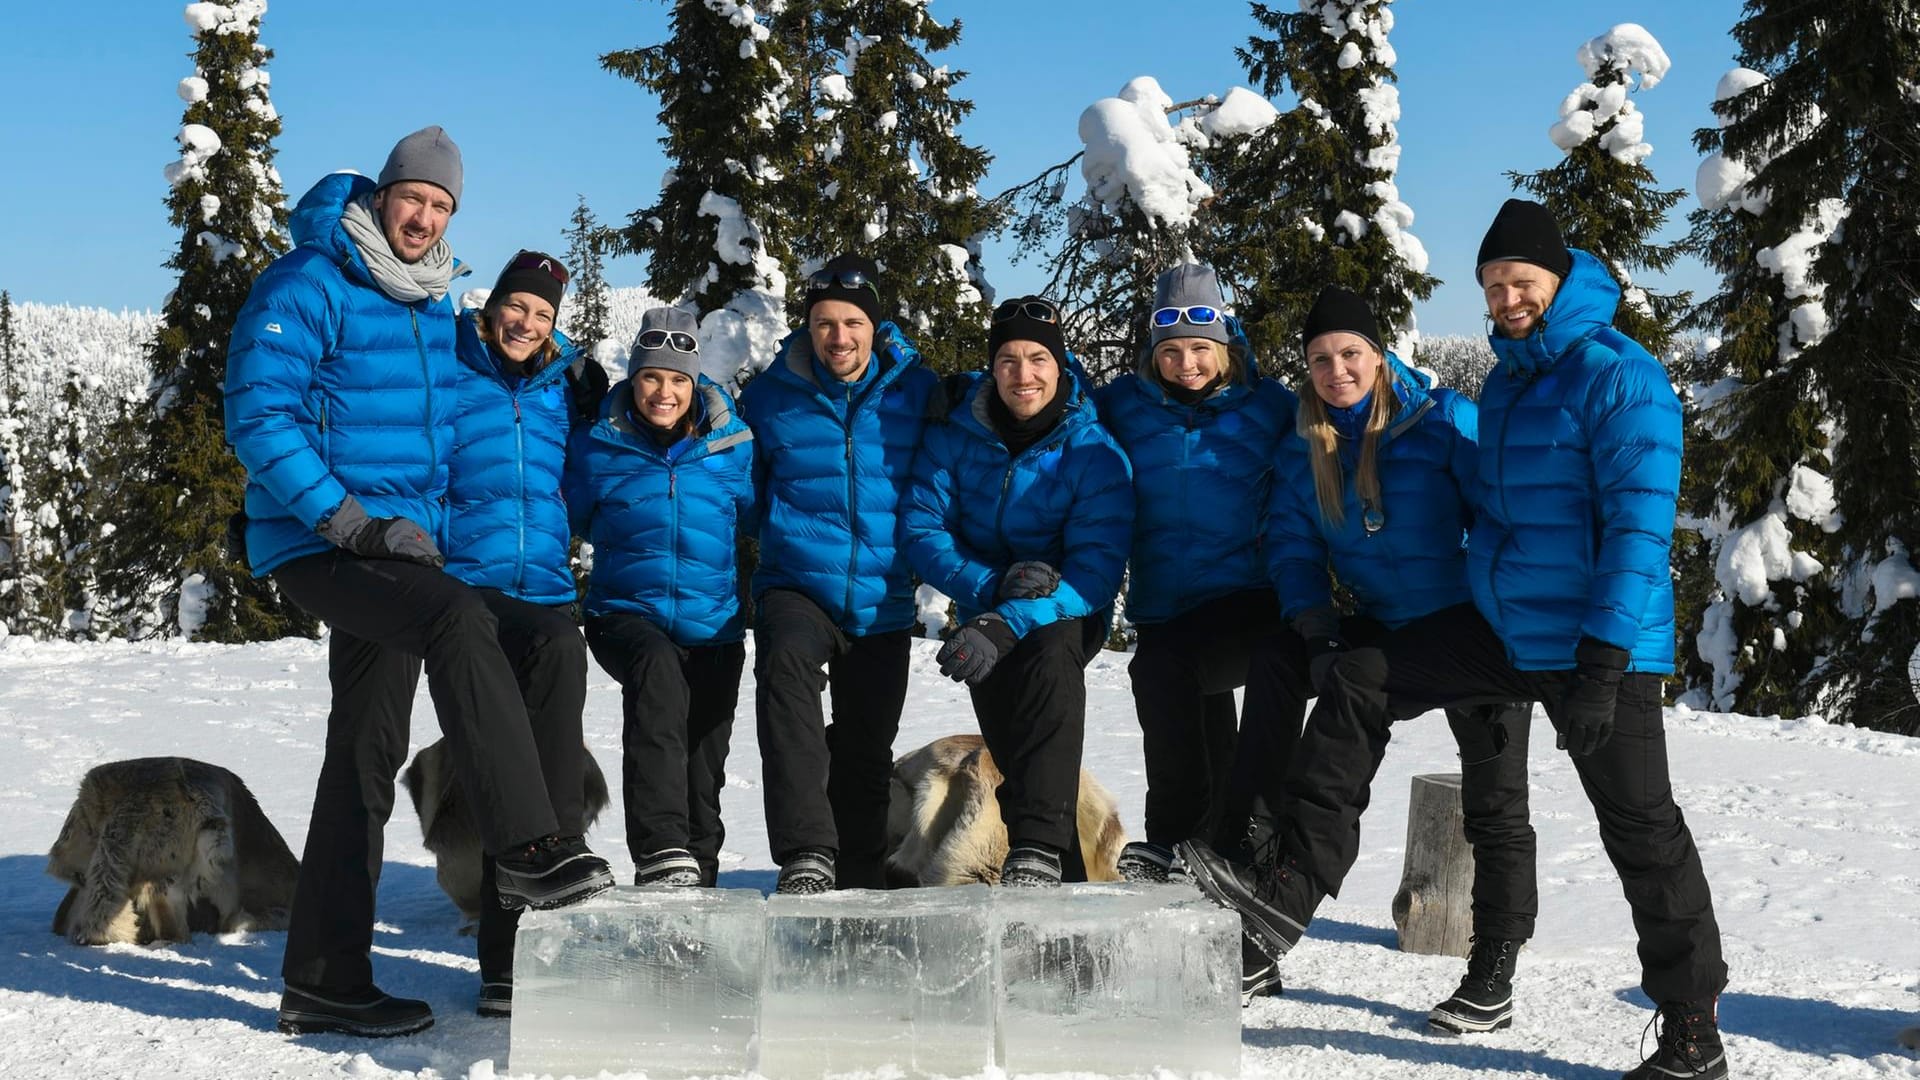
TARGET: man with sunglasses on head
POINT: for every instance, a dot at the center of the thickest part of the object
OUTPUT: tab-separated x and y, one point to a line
1021	509
340	398
837	419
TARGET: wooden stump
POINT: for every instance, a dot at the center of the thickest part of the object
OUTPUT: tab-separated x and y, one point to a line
1434	908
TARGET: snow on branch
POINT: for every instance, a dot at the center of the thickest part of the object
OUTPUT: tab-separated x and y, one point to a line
1134	156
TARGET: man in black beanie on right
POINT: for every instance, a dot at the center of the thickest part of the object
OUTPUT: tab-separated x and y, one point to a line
1579	462
837	417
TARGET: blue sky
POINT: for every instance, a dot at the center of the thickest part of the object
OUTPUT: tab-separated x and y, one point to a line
520	88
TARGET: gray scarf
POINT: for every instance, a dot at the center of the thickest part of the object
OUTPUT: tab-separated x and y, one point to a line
403	281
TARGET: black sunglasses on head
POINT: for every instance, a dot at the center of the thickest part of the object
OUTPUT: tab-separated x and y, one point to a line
846	279
535	260
1038	310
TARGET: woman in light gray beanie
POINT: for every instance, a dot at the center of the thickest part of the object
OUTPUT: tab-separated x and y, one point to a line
662	486
1200	426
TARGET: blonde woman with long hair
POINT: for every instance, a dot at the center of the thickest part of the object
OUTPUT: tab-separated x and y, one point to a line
1374	489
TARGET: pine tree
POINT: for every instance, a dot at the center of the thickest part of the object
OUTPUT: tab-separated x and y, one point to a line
713	239
888	176
13	480
227	202
1310	199
587	313
1602	193
62	545
1803	480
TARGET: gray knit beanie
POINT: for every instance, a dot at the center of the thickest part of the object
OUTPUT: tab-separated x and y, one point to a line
426	155
1184	286
661	330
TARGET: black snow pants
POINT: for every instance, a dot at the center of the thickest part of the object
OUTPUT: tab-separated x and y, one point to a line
387	616
676	707
1492	743
1032	710
550	664
827	785
1454	657
1184	672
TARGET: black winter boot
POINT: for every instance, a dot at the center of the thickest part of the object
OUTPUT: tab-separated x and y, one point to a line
550	872
1484	1001
1276	899
808	872
1689	1033
1144	863
496	999
366	1012
668	866
1030	866
1259	973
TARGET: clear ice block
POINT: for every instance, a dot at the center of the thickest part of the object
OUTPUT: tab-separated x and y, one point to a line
865	981
659	980
1117	979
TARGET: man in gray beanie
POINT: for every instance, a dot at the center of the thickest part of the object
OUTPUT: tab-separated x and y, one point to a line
340	396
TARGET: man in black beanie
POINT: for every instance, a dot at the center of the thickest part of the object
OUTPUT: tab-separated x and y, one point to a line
1579	459
838	417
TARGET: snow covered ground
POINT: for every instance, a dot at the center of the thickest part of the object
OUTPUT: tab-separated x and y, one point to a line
1811	837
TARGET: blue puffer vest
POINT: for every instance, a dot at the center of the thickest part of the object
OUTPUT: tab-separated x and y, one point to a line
1414	562
663	520
334	389
831	463
1580	464
1201	478
974	509
506	514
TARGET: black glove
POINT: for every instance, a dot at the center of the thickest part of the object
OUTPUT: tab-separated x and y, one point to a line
1586	710
1029	580
1320	629
969	655
588	381
380	538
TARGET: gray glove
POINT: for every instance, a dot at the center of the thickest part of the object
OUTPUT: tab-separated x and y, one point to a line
969	655
1029	580
350	529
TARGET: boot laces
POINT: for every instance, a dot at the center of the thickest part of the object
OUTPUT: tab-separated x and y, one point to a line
1678	1033
1489	961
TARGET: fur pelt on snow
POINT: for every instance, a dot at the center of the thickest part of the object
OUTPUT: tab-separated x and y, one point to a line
448	826
943	821
156	849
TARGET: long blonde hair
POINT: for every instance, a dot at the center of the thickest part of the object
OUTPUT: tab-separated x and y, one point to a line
1323	447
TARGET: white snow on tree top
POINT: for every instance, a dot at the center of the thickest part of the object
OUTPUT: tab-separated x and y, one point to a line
1134	156
241	16
1630	48
1241	112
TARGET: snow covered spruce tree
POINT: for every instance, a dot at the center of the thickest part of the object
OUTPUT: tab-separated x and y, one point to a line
586	310
1802	481
1310	199
887	174
170	544
60	546
1602	193
715	239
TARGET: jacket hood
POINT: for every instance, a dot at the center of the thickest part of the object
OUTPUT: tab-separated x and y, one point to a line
315	221
891	350
970	403
1584	305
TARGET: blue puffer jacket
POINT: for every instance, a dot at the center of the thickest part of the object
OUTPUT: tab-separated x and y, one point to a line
832	464
1201	476
1415	563
334	389
506	513
973	510
663	520
1580	464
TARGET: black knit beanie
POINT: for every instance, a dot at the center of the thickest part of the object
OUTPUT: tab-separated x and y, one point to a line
1012	321
825	284
1526	232
531	272
1337	309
